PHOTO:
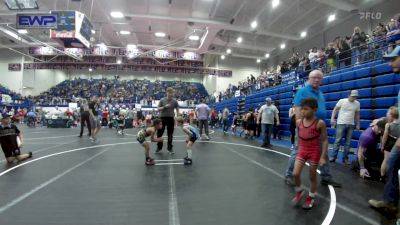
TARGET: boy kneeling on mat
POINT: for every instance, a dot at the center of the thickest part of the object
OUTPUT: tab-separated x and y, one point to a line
146	132
313	147
11	140
192	135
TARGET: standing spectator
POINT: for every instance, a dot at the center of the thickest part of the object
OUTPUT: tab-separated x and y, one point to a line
358	44
331	57
276	129
393	34
225	119
292	117
344	54
203	112
94	117
85	117
314	58
104	117
214	118
166	106
349	109
251	123
266	116
253	79
311	90
391	192
390	135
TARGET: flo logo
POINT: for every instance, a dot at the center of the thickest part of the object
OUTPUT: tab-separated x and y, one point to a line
370	15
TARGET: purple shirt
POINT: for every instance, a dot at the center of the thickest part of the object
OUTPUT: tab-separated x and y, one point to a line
202	111
368	138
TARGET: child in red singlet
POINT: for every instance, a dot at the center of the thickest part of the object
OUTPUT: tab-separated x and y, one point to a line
313	147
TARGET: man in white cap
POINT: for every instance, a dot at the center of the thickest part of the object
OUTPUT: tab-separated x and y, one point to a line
349	109
266	116
391	192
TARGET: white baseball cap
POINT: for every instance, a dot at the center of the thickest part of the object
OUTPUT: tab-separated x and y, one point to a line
354	93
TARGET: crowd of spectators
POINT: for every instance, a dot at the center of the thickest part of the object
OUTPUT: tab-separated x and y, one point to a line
111	91
356	48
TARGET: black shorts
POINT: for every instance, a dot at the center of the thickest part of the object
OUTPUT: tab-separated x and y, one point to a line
251	126
193	138
11	153
244	125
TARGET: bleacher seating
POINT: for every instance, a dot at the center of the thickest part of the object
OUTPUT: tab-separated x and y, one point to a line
377	85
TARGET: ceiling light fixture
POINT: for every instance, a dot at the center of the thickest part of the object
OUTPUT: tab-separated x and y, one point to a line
331	17
258	60
124	32
160	34
267	55
194	37
222	57
22	31
117	14
131	46
228	51
303	34
119	61
283	46
254	24
239	39
275	3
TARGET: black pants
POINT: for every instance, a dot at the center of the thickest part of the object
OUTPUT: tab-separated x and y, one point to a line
292	132
203	123
168	122
83	120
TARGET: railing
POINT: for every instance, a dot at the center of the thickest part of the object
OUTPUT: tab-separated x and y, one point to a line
362	54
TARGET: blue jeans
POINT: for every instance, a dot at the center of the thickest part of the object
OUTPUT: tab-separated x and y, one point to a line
345	130
325	169
391	191
267	131
226	125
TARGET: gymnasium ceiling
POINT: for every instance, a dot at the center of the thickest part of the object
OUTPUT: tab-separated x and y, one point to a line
218	23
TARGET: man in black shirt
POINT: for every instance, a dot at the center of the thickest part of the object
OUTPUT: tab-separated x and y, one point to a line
85	117
94	117
166	106
11	140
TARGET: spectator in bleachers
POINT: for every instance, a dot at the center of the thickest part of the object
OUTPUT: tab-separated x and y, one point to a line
344	54
203	113
331	57
391	192
312	89
367	142
378	36
349	109
225	120
267	114
393	34
390	135
313	56
359	45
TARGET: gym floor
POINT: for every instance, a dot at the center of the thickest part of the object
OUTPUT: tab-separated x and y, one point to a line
71	180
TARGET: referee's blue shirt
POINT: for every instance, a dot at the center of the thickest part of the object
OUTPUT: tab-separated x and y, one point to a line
309	92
